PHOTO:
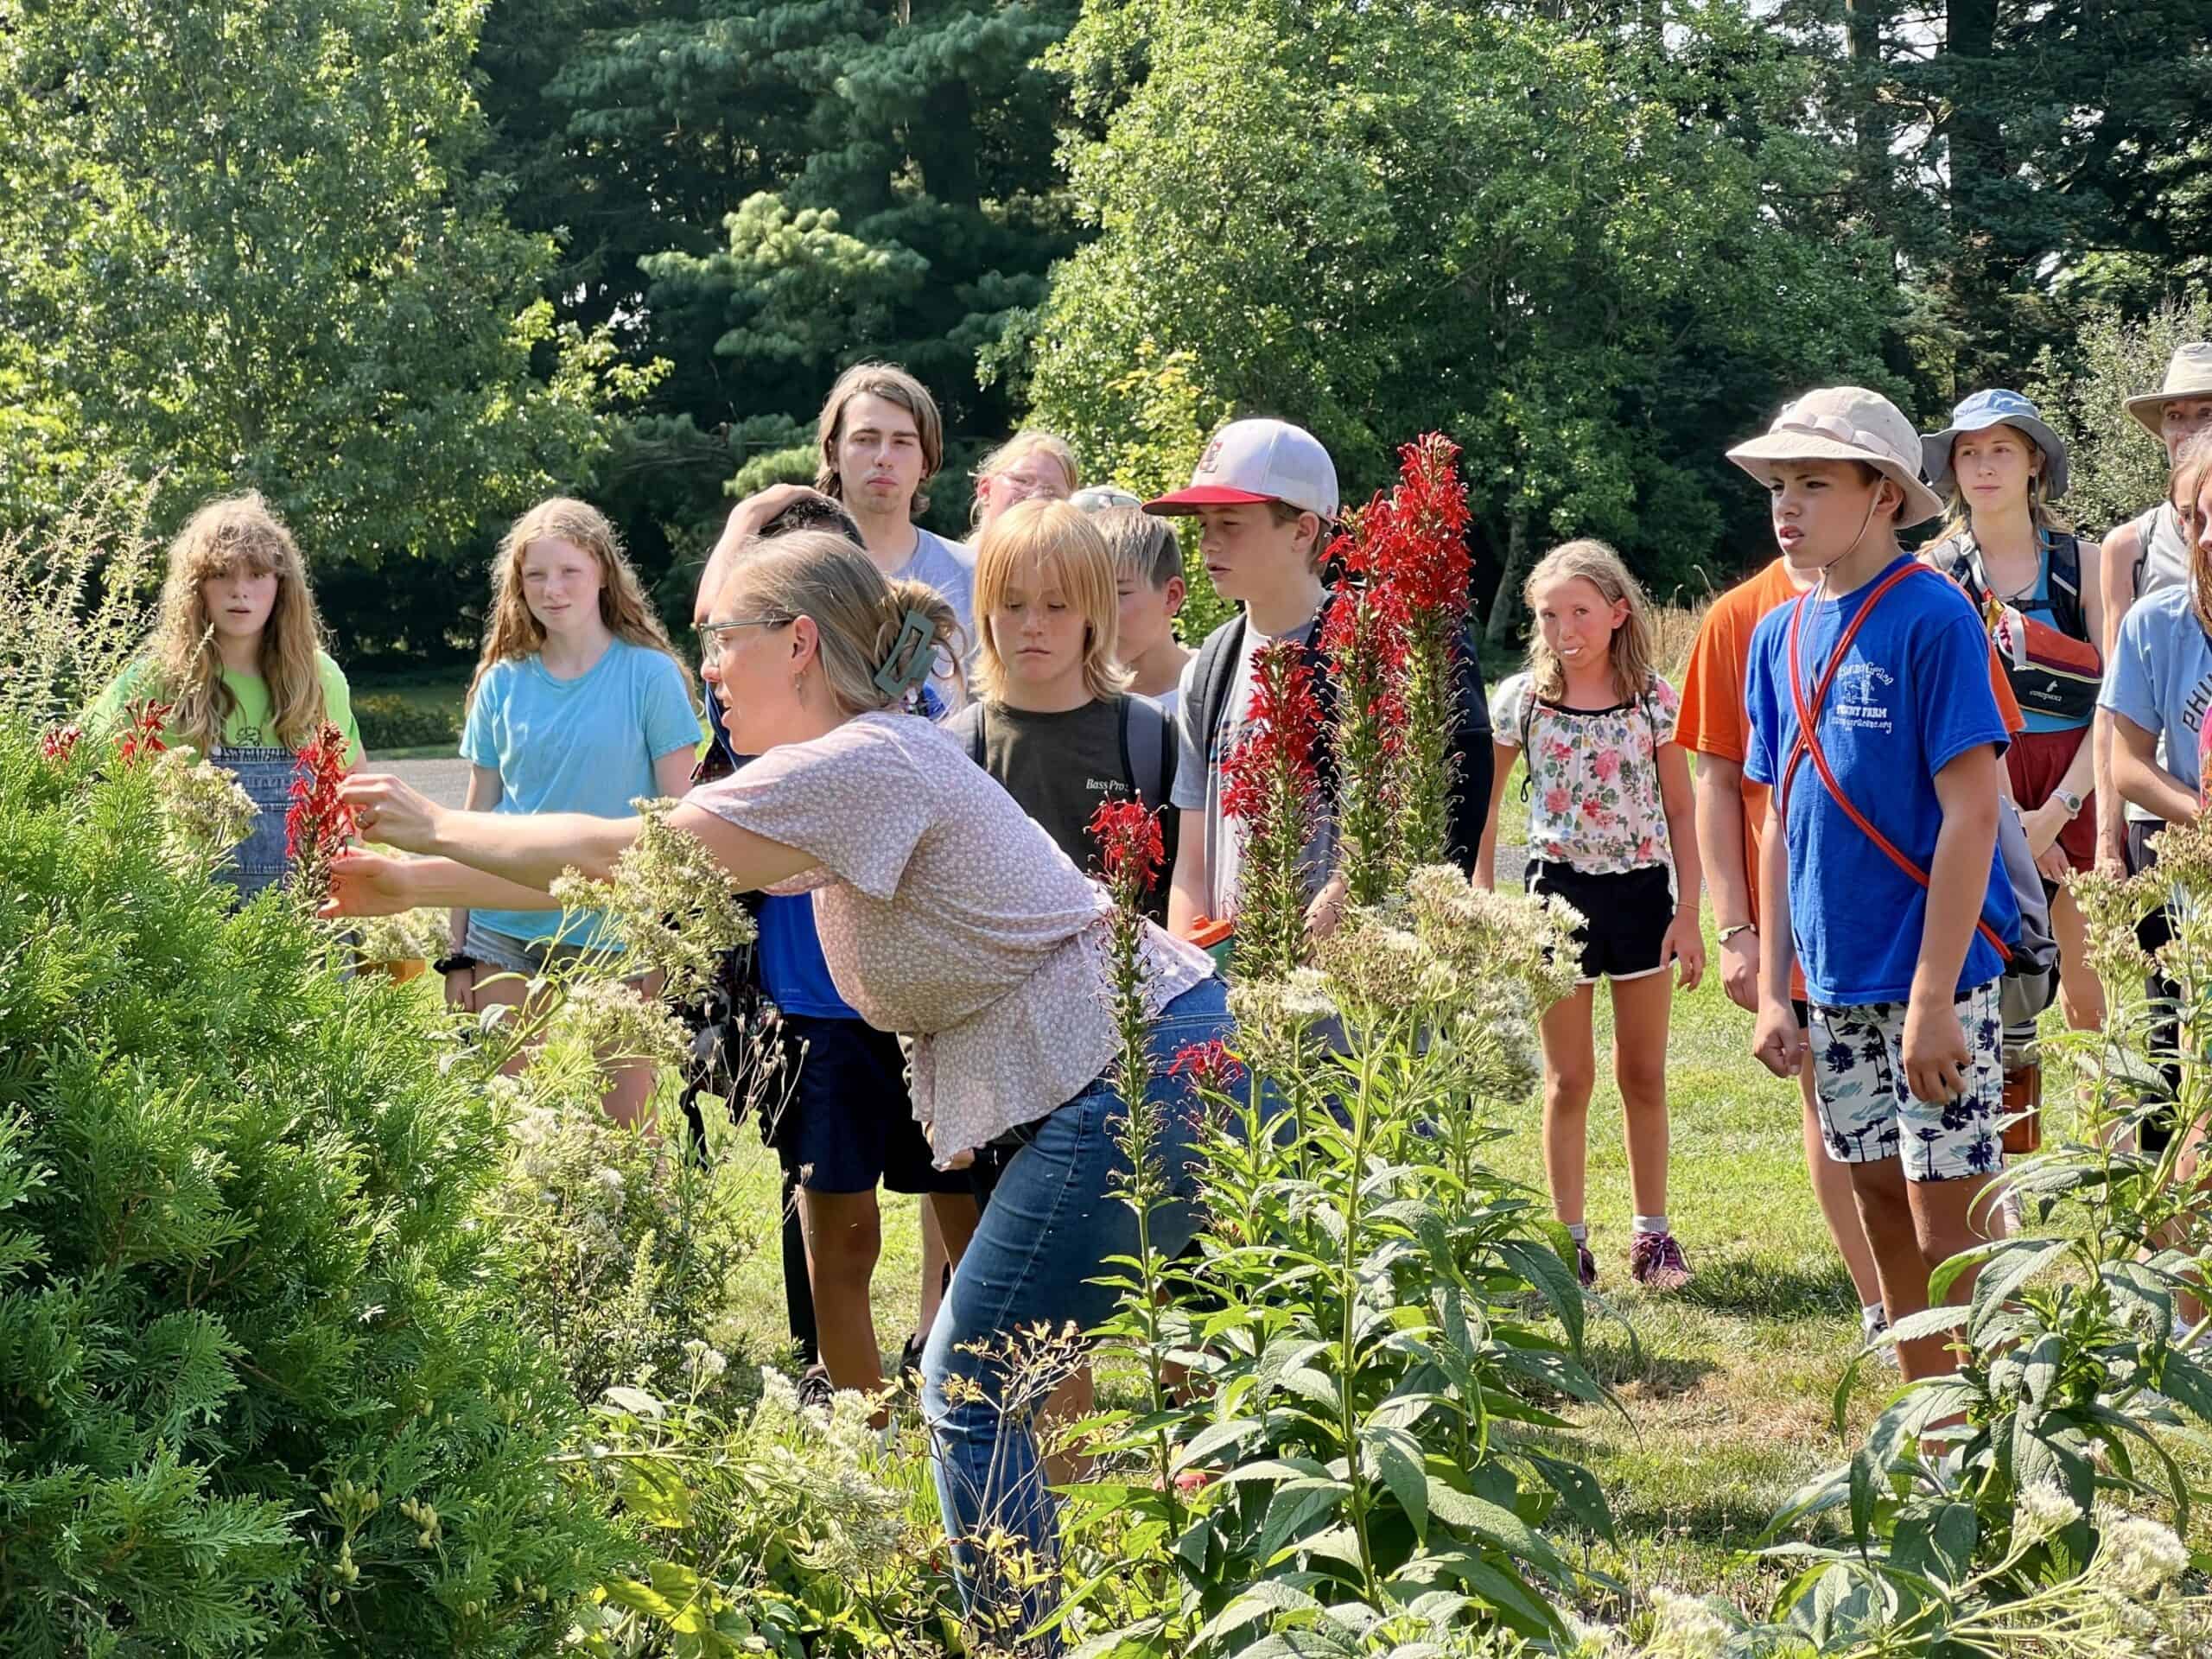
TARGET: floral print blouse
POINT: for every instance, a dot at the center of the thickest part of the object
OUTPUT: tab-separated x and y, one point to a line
1593	775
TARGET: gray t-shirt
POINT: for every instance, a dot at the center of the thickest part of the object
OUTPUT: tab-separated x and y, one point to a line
1200	776
948	567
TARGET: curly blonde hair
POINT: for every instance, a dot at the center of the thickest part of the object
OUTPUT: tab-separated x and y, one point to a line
1630	649
187	667
2191	462
512	632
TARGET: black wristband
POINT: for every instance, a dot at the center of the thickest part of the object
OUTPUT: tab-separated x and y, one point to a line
454	964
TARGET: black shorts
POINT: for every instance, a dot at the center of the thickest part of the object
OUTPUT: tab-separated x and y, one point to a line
2153	933
848	1125
1626	915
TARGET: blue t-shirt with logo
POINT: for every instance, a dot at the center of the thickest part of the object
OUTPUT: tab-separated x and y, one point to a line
584	745
2160	677
1912	696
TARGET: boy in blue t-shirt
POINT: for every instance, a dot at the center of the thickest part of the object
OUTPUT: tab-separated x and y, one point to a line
1903	1026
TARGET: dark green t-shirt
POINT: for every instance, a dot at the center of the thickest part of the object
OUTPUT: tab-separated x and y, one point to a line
1060	768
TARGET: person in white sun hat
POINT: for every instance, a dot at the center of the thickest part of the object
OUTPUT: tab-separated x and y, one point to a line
1872	714
2143	556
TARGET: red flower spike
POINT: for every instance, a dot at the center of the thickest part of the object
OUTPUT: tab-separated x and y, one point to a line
1282	731
319	822
58	743
143	735
1207	1065
1129	845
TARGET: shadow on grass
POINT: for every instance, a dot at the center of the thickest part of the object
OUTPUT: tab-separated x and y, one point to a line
1764	1289
1616	1361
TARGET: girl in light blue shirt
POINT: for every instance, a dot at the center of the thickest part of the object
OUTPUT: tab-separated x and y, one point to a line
579	704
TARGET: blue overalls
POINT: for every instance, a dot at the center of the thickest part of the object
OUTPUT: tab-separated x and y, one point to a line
266	775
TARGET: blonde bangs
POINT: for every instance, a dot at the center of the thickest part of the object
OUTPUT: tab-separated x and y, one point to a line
1064	548
222	536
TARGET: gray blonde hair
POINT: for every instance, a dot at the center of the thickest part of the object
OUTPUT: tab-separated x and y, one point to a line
858	611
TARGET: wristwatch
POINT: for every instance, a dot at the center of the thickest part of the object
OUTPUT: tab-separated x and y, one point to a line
2069	800
1730	932
454	964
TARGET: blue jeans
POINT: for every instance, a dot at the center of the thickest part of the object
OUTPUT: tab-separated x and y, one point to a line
1053	1220
266	775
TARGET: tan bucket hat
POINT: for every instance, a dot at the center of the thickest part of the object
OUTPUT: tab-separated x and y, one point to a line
2189	375
1847	424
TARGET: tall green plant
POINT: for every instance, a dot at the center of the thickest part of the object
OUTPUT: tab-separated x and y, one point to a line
263	1388
1369	1328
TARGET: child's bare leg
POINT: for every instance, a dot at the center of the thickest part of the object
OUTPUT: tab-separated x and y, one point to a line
1570	1074
1641	1008
1831	1187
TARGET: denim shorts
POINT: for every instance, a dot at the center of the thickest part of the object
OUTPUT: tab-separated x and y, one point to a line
502	953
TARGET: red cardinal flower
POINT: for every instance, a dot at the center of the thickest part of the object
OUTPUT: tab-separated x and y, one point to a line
1285	719
319	822
143	735
58	743
1129	847
1208	1065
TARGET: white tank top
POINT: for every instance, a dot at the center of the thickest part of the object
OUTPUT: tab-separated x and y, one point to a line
2164	562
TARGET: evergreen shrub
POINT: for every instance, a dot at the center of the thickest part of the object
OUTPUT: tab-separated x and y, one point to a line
261	1389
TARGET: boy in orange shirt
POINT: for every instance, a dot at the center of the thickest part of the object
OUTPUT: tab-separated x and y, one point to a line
1730	813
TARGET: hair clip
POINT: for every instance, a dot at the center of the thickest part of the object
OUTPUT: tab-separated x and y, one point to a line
916	643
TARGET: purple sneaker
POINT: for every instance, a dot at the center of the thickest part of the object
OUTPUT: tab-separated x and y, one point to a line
1655	1262
1586	1266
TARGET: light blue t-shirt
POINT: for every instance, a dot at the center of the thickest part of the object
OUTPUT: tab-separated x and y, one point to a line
585	745
1913	696
948	567
2160	677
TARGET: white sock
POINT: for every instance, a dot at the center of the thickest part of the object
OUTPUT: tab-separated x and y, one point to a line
1579	1231
1651	1223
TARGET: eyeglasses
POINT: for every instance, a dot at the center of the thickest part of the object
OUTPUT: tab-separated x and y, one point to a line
710	633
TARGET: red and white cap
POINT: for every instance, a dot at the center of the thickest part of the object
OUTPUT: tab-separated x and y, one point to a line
1250	462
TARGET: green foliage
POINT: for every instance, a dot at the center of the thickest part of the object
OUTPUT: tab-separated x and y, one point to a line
265	1388
625	1247
79	599
762	192
285	269
1591	261
794	1531
2117	467
388	720
1375	1329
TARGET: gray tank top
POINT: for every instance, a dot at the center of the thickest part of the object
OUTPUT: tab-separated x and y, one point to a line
2164	562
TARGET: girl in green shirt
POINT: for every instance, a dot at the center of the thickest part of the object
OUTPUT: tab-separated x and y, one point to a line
236	653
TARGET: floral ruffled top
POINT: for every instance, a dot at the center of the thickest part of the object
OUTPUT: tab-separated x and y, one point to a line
1593	775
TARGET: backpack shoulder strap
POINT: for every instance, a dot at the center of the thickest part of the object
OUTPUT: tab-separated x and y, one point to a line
1955	556
972	718
2065	586
1216	669
1144	742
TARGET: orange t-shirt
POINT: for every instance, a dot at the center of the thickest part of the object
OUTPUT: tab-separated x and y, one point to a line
1713	720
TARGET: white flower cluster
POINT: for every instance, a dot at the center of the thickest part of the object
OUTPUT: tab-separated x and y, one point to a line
204	811
1685	1627
606	1017
669	902
2137	1557
2042	1510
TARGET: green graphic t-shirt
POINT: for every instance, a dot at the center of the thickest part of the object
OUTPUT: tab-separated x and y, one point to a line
248	726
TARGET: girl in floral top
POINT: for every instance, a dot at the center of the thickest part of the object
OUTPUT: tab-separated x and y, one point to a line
1610	833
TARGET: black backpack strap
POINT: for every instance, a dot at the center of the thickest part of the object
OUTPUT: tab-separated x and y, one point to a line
1953	556
2065	586
976	747
1216	670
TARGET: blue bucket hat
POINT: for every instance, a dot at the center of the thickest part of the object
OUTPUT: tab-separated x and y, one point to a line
1999	408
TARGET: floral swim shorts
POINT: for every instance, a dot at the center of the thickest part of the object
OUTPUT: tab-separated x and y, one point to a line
1866	1106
